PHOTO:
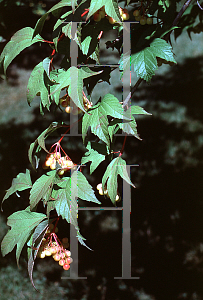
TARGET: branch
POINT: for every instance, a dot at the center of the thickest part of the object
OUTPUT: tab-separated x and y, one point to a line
132	92
179	15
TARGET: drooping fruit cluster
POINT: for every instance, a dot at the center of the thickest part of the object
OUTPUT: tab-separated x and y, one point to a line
65	101
64	161
105	192
51	246
142	18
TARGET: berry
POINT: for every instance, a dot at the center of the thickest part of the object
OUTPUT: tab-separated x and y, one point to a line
61	172
112	21
64	101
99	186
68	253
65	240
97	17
143	21
68	109
69	260
53	166
149	21
42	254
66	267
102	14
117	198
61	262
56	257
53	250
138	18
101	192
136	13
48	252
69	163
62	255
125	16
48	162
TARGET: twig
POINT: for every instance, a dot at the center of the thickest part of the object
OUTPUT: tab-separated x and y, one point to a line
127	99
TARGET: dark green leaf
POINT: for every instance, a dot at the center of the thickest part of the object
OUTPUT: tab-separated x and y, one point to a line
22	223
19	41
95	157
37	84
20	183
115	168
41	187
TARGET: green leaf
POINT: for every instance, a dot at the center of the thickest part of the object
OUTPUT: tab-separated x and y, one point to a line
111	106
67	30
46	65
81	188
20	183
111	8
115	168
98	123
19	41
40	22
73	78
86	44
41	187
130	128
137	110
22	223
97	117
38	83
94	156
145	62
66	204
66	194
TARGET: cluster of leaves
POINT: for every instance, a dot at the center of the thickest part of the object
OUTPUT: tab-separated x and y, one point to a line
104	119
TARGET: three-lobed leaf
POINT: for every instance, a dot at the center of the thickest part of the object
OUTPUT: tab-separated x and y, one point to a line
93	156
22	223
115	168
145	62
41	188
97	117
19	41
20	183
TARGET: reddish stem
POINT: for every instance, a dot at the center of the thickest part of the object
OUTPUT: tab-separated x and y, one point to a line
85	12
121	152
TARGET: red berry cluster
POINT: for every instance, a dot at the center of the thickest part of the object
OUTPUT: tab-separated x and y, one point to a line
52	246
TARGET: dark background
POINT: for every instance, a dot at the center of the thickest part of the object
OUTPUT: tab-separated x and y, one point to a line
167	205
